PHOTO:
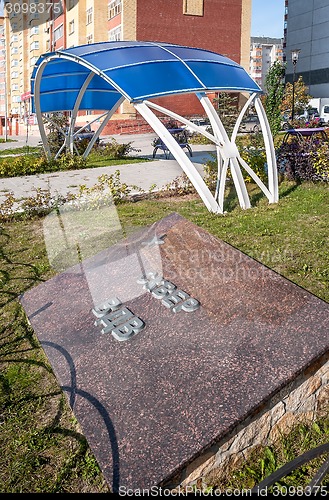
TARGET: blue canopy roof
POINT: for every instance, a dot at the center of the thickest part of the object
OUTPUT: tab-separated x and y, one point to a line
135	70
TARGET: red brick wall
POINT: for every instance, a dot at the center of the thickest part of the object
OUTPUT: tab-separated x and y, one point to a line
138	126
219	30
184	104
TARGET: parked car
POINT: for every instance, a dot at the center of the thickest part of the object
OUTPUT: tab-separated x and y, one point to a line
86	133
250	124
202	123
286	122
308	115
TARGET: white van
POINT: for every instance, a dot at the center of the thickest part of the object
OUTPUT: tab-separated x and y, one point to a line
325	114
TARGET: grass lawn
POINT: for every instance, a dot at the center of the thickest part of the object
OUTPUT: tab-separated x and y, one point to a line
20	150
108	161
3	140
42	447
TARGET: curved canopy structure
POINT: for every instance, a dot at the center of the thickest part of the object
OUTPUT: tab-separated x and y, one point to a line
100	76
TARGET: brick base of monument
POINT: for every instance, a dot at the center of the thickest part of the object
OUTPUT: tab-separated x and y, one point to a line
301	401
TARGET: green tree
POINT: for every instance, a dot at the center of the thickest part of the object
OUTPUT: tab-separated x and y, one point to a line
227	109
274	87
55	138
302	96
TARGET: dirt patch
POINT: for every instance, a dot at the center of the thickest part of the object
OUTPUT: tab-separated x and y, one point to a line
178	198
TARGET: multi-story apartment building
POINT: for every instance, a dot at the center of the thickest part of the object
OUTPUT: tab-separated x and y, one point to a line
264	52
3	89
307	29
35	27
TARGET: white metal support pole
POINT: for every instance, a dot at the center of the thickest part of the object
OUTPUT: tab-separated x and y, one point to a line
101	127
220	139
272	171
180	156
272	191
241	115
37	83
228	151
70	139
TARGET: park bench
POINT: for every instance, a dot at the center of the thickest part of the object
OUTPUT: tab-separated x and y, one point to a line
180	134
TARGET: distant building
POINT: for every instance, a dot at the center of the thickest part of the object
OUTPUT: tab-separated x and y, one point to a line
264	52
3	90
307	29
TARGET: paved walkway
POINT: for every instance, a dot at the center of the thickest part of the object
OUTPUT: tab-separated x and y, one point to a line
160	171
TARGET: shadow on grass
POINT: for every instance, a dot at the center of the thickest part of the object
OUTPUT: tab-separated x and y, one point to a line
231	200
286	189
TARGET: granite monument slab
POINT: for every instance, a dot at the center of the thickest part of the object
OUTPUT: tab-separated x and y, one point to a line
165	341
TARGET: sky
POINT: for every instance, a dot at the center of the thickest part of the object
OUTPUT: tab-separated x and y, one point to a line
267	18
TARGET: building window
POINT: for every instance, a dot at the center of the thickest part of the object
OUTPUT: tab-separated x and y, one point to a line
14	62
70	4
58	32
33	60
193	7
14	38
34	45
14	26
114	8
14	86
16	98
115	34
71	27
89	38
89	15
35	30
14	50
14	74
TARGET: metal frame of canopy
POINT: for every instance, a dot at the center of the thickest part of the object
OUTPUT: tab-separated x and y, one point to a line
200	72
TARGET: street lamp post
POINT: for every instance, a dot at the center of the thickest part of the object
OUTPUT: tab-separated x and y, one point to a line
294	58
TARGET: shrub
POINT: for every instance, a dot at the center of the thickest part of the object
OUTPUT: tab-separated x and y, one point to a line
256	159
304	161
108	189
210	172
320	159
114	150
7	207
35	164
196	138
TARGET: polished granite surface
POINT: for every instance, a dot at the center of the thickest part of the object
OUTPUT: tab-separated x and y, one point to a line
182	380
